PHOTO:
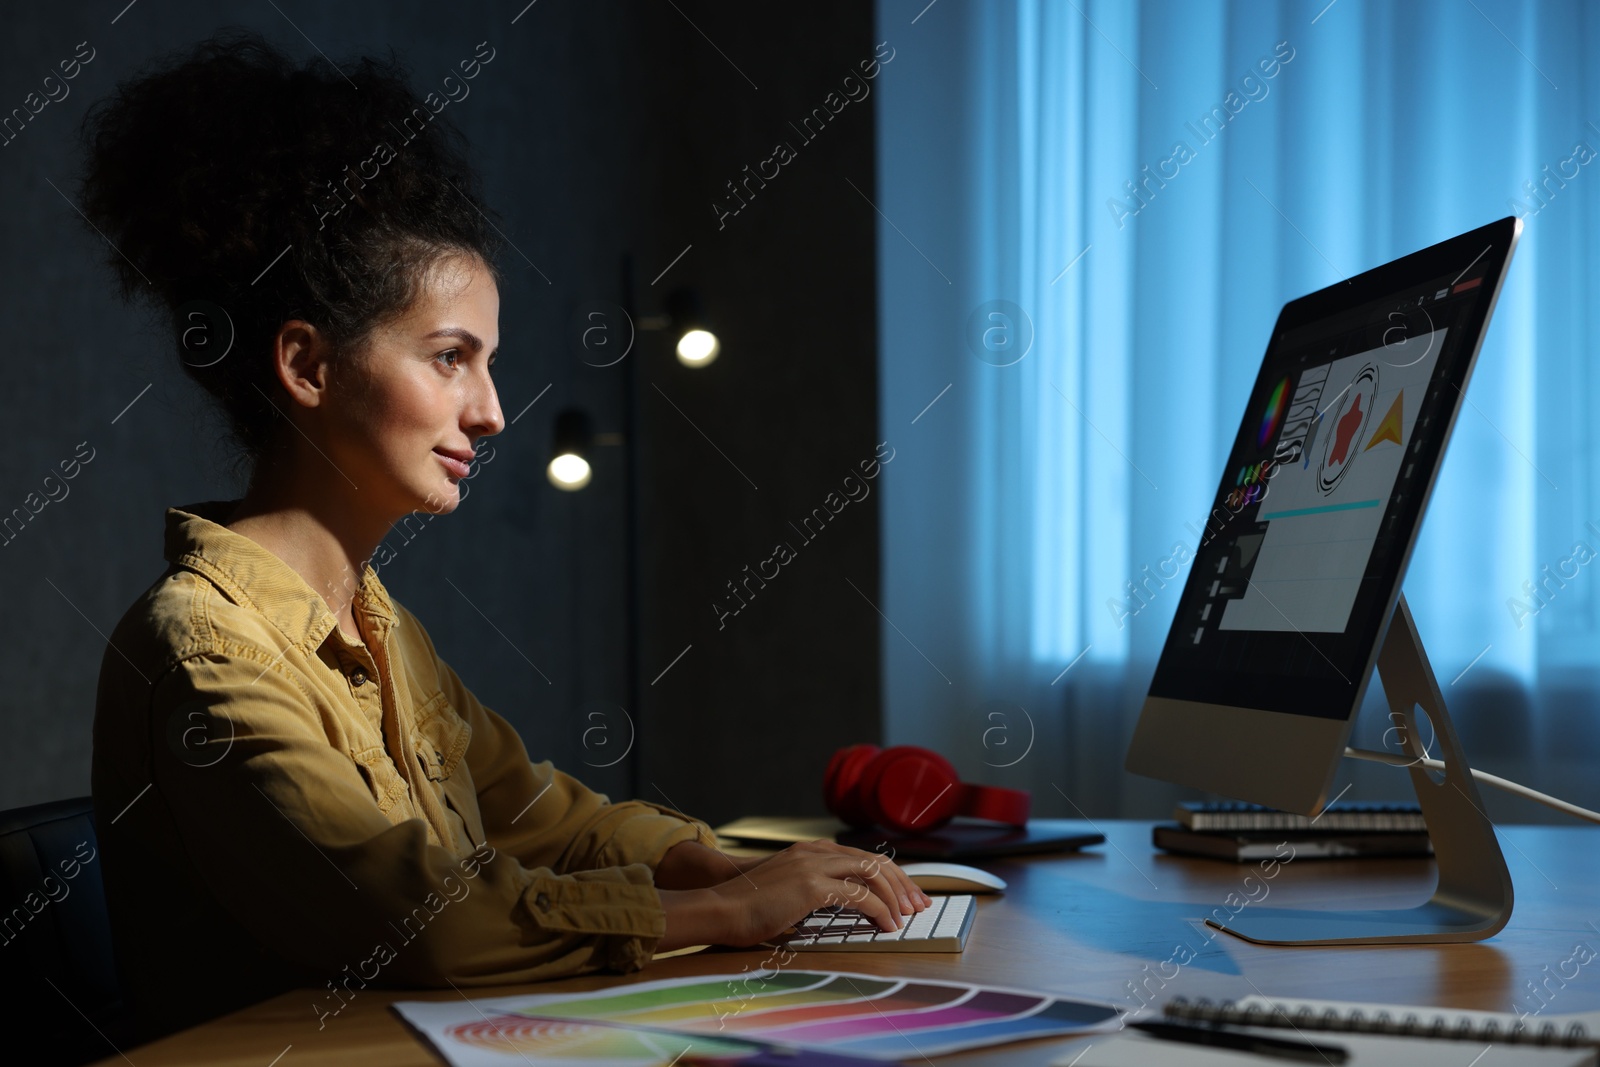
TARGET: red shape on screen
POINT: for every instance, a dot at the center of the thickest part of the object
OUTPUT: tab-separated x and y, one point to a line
1349	423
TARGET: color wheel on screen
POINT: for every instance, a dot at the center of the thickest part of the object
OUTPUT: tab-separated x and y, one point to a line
725	1018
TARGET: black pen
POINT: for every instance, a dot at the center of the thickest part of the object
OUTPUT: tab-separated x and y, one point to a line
1283	1048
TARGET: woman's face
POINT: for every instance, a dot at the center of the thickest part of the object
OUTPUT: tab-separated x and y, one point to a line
421	393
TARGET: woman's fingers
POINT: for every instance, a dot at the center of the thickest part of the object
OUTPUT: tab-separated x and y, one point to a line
873	877
873	905
916	899
863	892
902	886
894	882
886	883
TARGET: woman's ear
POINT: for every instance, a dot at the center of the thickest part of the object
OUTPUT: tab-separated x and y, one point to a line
301	362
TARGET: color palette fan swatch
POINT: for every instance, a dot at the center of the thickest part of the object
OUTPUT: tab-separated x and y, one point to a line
737	1018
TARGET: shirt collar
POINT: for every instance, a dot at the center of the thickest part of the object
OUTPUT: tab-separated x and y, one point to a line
251	575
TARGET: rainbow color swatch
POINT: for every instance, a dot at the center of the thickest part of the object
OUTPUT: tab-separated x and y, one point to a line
1272	417
722	1018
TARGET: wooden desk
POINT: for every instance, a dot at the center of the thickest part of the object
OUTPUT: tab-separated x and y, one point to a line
1093	924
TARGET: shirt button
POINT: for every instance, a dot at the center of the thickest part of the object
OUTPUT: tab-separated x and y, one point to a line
358	677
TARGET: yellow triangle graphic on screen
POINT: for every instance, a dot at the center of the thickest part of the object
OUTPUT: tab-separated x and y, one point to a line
1389	428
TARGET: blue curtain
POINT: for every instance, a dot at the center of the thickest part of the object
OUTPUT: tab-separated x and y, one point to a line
1090	214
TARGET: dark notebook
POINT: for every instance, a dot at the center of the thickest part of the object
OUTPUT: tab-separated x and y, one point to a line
960	839
1242	846
971	841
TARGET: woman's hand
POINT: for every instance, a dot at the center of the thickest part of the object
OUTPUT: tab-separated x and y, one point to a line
771	894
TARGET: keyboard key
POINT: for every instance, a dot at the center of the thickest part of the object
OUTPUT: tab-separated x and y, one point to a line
949	923
941	927
922	923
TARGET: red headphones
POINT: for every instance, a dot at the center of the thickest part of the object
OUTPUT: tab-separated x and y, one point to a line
910	790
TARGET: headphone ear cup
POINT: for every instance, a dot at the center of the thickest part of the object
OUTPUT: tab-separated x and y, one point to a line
841	784
909	789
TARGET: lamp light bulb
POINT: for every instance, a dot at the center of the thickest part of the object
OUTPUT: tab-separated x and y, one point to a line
569	471
696	348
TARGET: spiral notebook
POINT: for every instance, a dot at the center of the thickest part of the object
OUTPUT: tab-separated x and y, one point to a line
1580	1030
1137	1049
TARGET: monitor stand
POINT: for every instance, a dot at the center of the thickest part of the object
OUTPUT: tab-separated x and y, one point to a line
1473	899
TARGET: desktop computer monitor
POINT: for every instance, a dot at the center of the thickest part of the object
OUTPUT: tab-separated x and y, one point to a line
1290	597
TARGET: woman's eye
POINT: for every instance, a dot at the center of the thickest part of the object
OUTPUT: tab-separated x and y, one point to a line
455	353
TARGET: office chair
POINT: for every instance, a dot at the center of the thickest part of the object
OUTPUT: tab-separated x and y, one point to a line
58	978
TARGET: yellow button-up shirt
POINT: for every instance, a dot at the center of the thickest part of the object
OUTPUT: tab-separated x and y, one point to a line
279	806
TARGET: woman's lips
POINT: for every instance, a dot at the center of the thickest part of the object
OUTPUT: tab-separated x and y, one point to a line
454	466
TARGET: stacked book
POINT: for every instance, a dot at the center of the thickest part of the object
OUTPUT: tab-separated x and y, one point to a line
1248	832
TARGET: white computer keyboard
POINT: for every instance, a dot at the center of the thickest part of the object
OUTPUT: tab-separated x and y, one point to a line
940	927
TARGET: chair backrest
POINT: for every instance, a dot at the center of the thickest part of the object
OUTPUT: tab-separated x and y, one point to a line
54	928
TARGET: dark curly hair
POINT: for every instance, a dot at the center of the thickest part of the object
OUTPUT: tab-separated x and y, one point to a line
205	167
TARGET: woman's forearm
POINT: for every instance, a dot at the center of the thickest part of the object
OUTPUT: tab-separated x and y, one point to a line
695	917
691	865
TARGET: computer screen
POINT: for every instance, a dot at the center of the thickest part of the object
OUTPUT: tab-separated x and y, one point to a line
1313	520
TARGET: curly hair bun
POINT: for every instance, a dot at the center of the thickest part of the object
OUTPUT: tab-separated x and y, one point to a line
231	175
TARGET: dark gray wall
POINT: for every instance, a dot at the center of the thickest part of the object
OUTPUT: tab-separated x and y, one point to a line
746	720
601	128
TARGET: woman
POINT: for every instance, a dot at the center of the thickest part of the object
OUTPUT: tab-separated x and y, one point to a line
291	788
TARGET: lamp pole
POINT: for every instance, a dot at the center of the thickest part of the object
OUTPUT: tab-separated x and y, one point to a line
630	527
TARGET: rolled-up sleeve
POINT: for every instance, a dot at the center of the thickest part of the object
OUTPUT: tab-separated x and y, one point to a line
546	817
282	828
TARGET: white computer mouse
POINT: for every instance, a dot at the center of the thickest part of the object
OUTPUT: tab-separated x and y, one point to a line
952	878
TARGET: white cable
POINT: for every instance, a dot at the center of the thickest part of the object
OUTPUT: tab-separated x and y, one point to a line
1485	777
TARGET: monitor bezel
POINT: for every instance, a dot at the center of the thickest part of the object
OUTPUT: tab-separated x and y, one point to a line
1284	760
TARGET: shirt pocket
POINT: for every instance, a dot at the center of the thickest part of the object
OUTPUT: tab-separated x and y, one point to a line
382	777
440	740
